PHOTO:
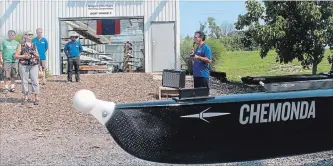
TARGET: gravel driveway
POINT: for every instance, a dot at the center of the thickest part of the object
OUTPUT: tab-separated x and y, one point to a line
53	133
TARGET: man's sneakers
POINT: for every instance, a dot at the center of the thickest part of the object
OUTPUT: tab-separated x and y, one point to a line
70	81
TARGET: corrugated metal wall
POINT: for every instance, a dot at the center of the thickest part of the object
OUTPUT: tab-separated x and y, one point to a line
31	14
2	30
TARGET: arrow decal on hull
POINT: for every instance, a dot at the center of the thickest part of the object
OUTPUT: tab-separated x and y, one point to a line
203	115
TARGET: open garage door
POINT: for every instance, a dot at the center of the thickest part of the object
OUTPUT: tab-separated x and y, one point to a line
109	44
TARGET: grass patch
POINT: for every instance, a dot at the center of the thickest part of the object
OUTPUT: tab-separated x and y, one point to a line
249	63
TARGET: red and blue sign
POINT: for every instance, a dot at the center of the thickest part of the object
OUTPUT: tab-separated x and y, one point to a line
108	27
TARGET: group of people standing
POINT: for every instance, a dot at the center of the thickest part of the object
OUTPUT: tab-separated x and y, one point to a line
28	58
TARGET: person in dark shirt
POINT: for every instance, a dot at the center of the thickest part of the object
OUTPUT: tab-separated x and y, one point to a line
202	58
73	51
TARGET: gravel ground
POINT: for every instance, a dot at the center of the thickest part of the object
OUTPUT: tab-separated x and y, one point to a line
53	133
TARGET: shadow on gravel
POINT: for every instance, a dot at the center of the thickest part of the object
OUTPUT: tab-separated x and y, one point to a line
10	100
153	95
251	163
321	163
56	81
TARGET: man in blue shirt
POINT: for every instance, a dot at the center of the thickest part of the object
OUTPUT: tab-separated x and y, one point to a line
202	59
73	51
42	46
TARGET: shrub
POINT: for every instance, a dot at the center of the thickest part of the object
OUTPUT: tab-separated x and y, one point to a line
48	74
217	50
187	44
18	37
185	50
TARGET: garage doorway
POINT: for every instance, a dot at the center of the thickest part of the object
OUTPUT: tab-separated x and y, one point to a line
110	44
163	46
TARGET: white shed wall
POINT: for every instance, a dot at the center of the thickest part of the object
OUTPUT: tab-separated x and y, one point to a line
21	16
2	21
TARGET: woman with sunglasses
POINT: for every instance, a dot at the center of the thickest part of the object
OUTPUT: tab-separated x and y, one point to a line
28	62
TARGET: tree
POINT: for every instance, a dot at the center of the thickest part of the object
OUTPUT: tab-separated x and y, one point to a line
330	40
330	60
227	28
203	27
231	39
217	49
215	30
295	29
185	50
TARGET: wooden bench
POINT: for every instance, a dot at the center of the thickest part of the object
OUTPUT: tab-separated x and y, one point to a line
168	91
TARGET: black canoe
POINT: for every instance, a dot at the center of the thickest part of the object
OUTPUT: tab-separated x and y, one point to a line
222	76
226	128
254	80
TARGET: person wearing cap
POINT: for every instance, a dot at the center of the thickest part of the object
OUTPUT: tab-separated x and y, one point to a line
7	49
28	56
42	46
73	51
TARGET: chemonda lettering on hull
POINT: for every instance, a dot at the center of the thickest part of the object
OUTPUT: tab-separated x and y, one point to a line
275	112
223	129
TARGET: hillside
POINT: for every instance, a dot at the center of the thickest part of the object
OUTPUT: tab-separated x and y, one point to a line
249	63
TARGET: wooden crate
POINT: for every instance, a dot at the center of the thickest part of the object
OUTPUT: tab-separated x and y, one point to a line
167	91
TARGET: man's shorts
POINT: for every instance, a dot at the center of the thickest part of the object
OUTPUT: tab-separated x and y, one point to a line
10	70
43	64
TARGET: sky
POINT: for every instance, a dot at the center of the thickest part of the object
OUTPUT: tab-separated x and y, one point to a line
192	12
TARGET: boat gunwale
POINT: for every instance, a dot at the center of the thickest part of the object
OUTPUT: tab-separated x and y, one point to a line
245	97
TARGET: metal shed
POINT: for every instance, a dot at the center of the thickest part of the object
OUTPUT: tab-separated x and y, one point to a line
161	25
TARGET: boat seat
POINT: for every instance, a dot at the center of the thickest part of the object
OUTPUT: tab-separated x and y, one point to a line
167	91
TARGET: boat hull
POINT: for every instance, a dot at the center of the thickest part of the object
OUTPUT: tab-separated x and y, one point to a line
226	129
299	85
283	78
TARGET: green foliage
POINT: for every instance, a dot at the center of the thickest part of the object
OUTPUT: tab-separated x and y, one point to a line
185	50
215	30
295	29
236	41
231	39
330	43
203	27
48	74
18	37
330	59
187	45
217	50
248	63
